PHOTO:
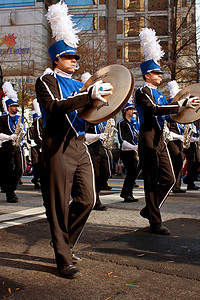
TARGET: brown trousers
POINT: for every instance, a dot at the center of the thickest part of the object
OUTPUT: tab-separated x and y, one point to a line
158	177
66	176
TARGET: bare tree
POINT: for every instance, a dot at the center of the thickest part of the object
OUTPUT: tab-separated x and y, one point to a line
182	54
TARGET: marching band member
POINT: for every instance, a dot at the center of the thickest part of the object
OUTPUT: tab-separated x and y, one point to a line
66	164
34	138
175	143
100	159
127	135
193	158
152	107
11	151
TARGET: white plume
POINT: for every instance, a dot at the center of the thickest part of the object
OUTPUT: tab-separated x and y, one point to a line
173	88
85	76
36	107
150	45
61	24
9	91
4	104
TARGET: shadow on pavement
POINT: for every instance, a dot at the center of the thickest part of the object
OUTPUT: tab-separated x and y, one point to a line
182	246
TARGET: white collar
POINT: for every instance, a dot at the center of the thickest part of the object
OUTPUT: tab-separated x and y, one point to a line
151	86
61	73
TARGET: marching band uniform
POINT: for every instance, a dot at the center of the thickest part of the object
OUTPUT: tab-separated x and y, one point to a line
156	164
34	138
175	147
67	169
153	108
101	162
11	154
127	135
193	159
175	143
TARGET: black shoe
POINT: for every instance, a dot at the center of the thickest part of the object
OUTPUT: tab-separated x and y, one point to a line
12	199
75	258
192	187
107	188
100	207
37	186
178	190
185	180
159	229
144	213
130	199
68	271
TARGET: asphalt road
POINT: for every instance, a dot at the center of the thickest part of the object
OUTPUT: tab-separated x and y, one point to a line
120	258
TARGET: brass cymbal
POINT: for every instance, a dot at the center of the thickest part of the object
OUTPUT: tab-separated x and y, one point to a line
122	81
188	115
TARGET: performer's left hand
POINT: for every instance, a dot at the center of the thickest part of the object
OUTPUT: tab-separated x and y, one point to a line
189	102
100	89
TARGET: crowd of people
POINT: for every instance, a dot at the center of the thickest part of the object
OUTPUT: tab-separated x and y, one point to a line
69	160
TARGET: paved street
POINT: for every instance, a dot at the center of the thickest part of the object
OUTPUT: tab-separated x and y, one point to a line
121	259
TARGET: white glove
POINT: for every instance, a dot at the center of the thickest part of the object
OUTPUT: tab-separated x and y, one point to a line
13	137
112	122
5	137
189	102
102	136
176	136
195	139
91	137
126	146
33	144
100	89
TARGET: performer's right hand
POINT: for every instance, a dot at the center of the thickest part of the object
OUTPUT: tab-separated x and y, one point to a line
102	136
13	137
189	102
100	89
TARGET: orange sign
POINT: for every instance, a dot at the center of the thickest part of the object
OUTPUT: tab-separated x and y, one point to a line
8	40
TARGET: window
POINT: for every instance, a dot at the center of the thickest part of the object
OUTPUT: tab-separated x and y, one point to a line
132	52
80	2
102	23
85	21
184	23
184	3
133	26
119	52
119	27
15	3
157	5
134	5
119	4
160	24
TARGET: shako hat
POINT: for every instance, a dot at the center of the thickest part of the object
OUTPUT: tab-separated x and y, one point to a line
127	106
10	94
152	51
63	30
